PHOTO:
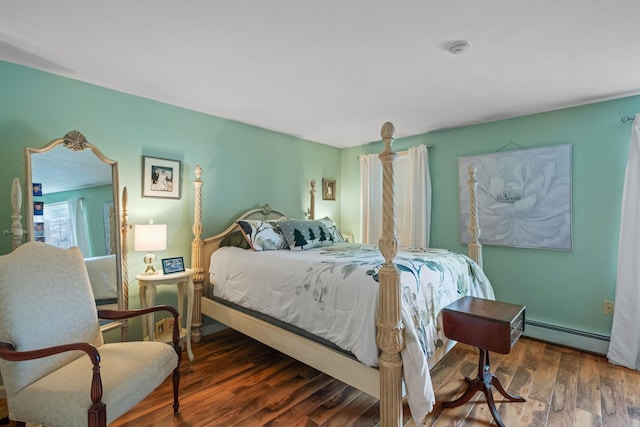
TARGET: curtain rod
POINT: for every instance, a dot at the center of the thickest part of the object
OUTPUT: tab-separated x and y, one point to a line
406	152
626	119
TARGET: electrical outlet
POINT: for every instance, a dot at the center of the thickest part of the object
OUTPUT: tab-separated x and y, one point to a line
607	307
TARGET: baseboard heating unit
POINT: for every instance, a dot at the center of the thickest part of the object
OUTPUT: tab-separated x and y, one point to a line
587	341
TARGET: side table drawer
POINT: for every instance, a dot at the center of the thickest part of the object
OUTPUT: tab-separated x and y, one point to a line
486	324
517	328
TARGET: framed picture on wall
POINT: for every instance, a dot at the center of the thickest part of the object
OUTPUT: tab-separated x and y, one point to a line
160	178
523	197
108	215
328	189
38	229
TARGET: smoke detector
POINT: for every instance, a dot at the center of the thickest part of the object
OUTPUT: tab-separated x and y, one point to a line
459	47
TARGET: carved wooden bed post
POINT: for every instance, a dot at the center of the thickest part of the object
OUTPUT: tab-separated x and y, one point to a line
312	200
474	247
389	336
16	231
124	230
197	261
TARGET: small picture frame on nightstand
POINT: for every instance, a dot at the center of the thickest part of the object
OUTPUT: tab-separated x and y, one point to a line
172	265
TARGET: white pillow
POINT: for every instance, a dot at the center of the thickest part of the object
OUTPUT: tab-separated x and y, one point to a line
263	235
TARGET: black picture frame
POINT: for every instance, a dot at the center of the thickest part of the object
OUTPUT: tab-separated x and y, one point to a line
160	178
172	265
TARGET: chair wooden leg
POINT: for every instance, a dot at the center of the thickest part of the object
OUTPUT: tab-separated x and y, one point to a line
98	415
176	371
176	386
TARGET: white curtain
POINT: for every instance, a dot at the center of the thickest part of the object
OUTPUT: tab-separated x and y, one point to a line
624	348
371	198
79	228
413	198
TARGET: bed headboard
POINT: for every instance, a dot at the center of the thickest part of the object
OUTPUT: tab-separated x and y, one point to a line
211	244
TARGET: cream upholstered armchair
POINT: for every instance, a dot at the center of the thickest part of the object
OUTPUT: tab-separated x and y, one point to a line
56	369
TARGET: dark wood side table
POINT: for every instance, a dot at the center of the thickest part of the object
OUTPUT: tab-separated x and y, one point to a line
490	326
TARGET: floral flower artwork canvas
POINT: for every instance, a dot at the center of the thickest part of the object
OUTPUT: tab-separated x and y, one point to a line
523	197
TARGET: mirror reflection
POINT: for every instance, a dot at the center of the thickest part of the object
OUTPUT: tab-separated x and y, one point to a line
72	200
77	190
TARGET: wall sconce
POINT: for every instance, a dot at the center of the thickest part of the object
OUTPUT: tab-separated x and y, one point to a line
149	238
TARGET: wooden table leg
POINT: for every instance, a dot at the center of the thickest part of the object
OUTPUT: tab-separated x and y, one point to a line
483	382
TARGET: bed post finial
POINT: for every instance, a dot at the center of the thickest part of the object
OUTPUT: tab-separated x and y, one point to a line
389	335
388	133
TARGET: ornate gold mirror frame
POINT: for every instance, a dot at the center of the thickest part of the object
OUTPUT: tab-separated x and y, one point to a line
75	154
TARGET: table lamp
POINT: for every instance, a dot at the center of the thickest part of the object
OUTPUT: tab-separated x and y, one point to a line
149	238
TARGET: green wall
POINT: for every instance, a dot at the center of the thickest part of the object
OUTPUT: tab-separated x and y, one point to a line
563	288
245	166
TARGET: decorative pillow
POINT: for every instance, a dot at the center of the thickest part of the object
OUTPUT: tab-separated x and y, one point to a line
333	229
236	239
263	235
301	234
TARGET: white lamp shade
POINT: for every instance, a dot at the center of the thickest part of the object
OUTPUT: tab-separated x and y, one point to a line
150	237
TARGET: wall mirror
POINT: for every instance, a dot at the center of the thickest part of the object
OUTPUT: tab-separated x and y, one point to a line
72	200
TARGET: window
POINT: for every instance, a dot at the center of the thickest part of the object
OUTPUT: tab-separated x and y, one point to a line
57	225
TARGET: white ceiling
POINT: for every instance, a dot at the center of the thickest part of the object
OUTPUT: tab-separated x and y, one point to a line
332	71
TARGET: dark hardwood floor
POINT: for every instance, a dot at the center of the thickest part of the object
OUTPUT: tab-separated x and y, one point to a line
236	381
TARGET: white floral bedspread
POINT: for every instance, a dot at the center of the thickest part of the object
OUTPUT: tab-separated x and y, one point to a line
332	292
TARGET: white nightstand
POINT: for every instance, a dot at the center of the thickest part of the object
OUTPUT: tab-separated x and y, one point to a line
184	281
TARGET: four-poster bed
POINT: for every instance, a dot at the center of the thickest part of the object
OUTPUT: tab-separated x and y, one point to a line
385	381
